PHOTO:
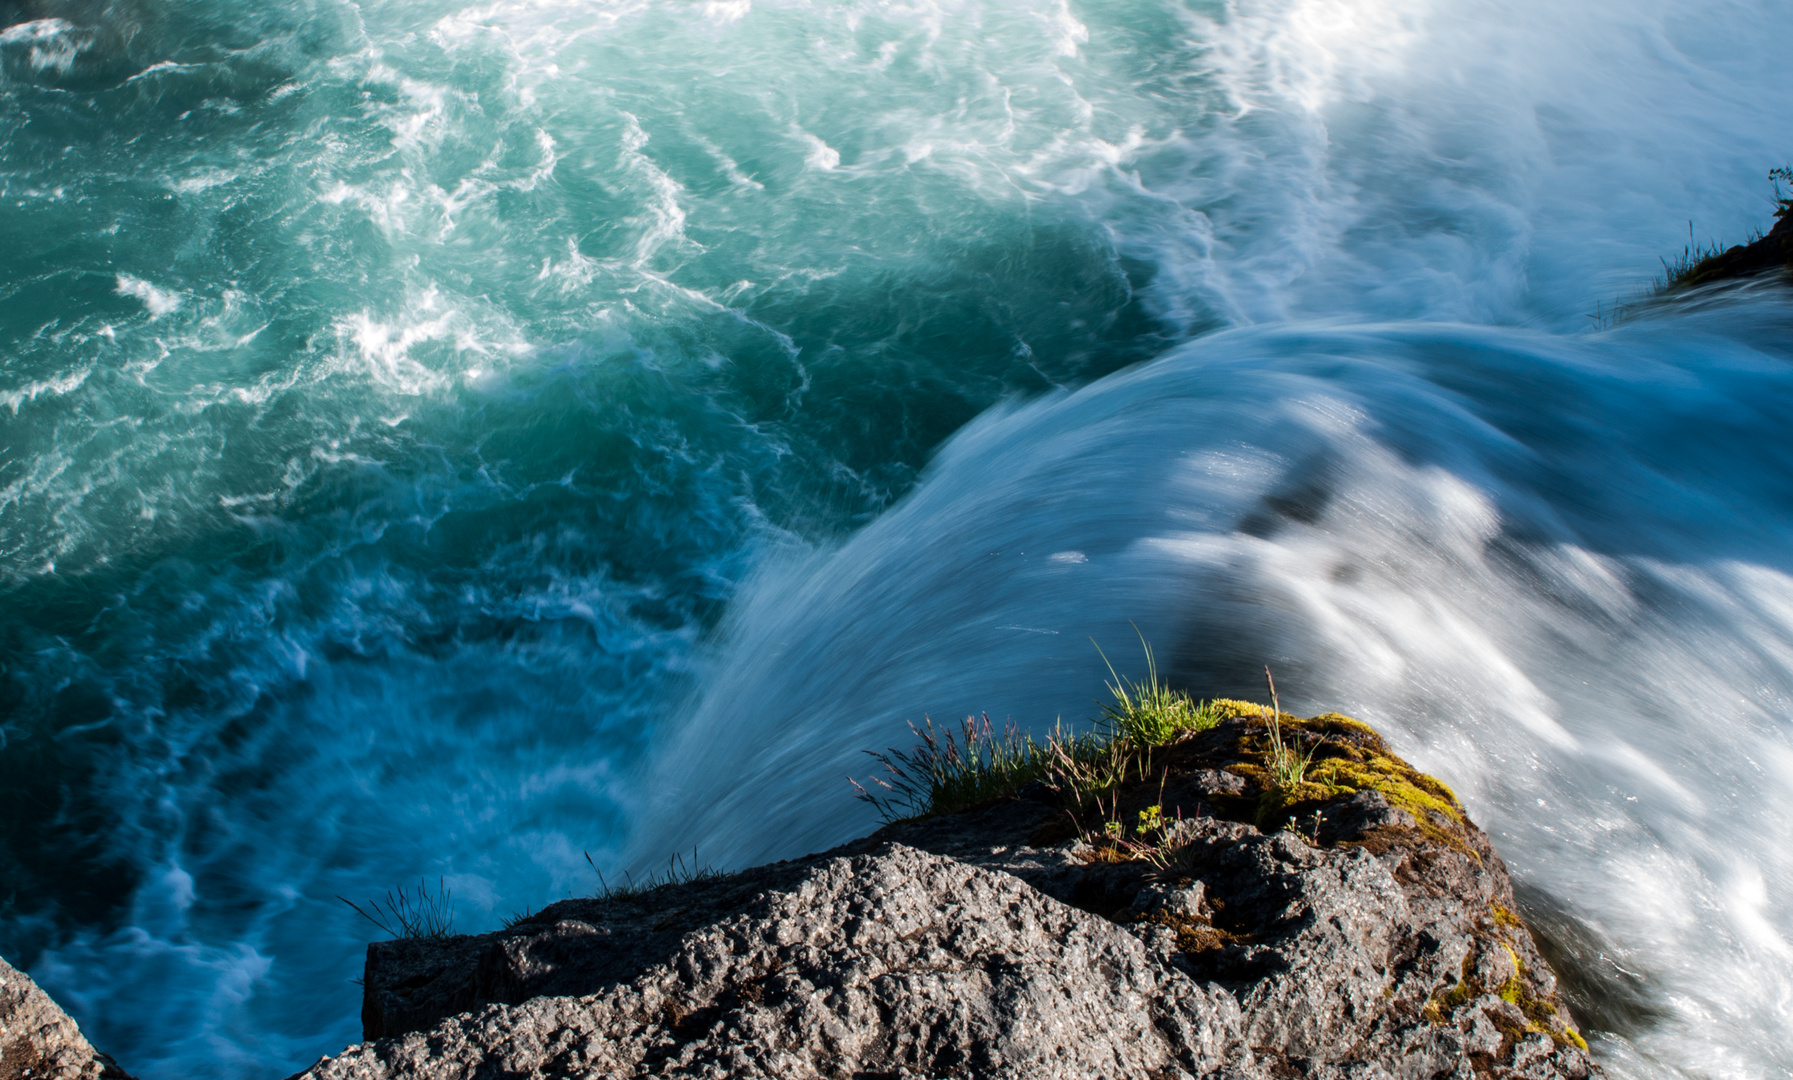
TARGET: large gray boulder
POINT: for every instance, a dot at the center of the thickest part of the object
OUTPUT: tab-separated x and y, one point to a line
896	962
1379	941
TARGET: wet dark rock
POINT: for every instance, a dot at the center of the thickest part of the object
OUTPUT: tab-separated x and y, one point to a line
1375	940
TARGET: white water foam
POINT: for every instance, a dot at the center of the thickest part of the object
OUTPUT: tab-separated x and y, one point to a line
1538	563
53	43
156	300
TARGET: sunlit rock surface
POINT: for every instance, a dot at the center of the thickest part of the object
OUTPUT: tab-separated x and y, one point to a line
1368	940
38	1041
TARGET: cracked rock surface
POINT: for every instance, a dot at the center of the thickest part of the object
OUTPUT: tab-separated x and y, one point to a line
891	961
1379	943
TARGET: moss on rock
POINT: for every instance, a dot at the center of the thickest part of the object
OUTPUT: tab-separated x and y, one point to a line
1347	756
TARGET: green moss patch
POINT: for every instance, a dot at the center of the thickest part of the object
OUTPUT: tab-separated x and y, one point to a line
1347	757
1541	1016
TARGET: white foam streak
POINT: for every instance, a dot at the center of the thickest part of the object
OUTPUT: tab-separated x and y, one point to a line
35	30
820	155
157	301
54	387
54	43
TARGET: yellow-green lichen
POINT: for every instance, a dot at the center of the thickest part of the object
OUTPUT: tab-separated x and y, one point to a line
1440	1006
1334	720
1403	786
1541	1016
1512	991
1347	757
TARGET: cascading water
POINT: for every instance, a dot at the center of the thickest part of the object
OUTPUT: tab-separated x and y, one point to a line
439	439
1532	560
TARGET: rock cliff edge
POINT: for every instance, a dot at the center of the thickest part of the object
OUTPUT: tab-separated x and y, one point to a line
38	1041
1203	920
1372	936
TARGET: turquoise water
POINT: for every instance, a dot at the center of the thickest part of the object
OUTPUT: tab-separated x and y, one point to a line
440	440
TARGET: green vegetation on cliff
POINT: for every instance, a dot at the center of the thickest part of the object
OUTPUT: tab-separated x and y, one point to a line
1157	755
1296	766
1700	265
946	773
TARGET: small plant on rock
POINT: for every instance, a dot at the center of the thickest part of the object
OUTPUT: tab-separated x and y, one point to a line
948	773
411	915
1701	263
1084	771
1288	767
677	872
952	771
1155	838
1150	713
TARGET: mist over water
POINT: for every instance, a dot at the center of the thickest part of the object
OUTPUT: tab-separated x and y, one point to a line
438	440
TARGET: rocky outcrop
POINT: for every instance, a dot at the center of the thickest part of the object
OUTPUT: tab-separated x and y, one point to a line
1180	935
859	967
38	1041
1773	252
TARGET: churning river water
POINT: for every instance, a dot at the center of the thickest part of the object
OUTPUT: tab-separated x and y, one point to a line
439	439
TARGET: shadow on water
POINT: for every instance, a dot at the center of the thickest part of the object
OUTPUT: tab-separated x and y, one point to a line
1598	979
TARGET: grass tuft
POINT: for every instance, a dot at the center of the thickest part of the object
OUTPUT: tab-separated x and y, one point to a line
1692	260
1083	773
1150	713
1696	265
947	773
1151	838
677	872
411	915
1288	769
